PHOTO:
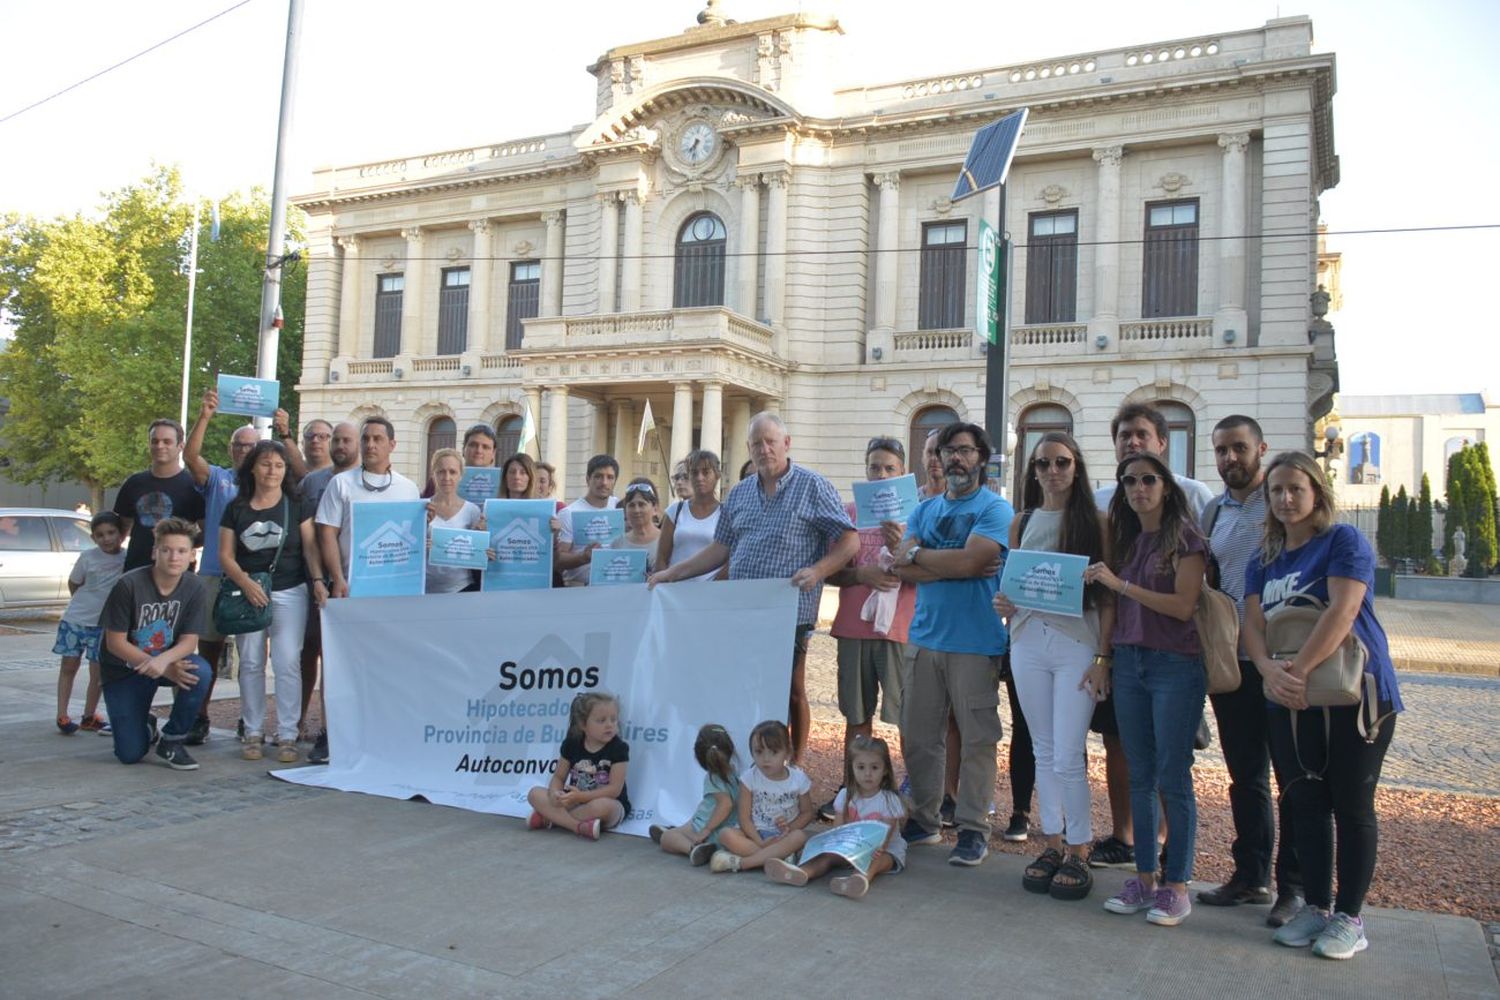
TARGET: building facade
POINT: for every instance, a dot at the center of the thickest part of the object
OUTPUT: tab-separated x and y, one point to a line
1393	441
735	230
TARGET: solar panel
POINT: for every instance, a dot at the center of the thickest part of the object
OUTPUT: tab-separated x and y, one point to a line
990	153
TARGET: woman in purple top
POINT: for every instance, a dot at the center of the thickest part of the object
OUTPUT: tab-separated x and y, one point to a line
1158	558
1335	758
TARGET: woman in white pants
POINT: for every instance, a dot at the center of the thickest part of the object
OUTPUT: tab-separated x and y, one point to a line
269	528
1060	663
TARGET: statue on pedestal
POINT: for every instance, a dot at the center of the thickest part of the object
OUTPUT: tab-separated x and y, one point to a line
1459	562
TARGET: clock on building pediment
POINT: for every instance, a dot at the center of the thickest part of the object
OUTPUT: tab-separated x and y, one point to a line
695	144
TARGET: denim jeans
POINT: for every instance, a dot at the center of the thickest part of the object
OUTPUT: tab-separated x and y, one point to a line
1158	702
129	702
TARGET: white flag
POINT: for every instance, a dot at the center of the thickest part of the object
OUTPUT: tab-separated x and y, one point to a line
648	424
528	430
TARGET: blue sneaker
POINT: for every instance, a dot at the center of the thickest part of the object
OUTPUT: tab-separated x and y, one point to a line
1344	937
917	835
1303	929
971	850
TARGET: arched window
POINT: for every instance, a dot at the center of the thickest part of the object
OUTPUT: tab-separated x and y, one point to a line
699	279
1181	436
441	433
926	420
1036	420
507	437
1364	458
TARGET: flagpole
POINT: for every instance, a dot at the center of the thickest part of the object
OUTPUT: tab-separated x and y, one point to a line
276	257
187	336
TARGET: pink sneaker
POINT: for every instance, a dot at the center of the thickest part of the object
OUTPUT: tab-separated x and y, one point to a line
536	821
590	829
1133	897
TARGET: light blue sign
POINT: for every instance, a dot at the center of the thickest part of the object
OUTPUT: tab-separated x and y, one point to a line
884	500
458	547
253	397
598	527
521	537
1045	581
388	548
479	484
856	843
611	567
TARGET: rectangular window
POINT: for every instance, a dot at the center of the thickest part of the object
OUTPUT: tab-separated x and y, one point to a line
1170	268
1052	267
940	299
453	311
524	299
389	289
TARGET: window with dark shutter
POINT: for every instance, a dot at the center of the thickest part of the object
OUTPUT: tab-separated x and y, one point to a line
523	300
940	295
1052	267
441	433
699	278
453	311
389	289
1170	268
507	437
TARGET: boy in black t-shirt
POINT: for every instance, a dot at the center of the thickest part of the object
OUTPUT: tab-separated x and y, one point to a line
151	621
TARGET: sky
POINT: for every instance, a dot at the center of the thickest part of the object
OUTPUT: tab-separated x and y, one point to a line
380	79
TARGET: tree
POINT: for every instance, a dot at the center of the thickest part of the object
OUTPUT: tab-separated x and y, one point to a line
1486	476
1454	490
1383	525
98	307
1479	519
1420	536
1401	515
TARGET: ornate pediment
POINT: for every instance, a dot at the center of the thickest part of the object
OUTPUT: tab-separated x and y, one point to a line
729	104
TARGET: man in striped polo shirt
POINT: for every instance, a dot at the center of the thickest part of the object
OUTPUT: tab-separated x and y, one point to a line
1234	524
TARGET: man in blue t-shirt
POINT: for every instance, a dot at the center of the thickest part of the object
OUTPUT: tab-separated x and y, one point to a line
952	552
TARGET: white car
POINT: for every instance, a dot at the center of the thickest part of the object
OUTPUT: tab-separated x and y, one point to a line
38	547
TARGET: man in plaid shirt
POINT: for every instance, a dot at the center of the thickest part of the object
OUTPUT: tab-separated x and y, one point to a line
786	521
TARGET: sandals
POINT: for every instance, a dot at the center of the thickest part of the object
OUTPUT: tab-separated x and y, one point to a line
1079	880
1039	874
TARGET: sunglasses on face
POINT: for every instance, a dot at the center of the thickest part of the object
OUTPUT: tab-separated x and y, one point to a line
1149	479
1060	463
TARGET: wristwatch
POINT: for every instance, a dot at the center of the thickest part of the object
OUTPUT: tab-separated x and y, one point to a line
911	555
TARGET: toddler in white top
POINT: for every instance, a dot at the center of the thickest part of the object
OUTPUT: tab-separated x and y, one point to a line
775	805
78	633
868	772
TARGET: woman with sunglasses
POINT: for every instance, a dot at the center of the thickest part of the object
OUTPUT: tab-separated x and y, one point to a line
688	526
1060	664
1155	567
641	506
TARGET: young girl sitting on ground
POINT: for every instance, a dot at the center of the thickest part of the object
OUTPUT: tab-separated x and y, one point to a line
775	805
698	838
587	791
868	771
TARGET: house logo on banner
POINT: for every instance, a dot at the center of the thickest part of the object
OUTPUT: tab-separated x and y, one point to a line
618	569
391	545
886	504
1043	582
520	541
459	548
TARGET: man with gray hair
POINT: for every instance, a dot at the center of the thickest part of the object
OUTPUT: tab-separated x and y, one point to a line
785	521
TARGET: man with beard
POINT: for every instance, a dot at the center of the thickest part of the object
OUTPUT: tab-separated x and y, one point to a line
342	449
1234	524
952	552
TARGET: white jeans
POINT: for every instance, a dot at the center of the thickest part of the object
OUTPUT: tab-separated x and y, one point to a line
288	623
1048	665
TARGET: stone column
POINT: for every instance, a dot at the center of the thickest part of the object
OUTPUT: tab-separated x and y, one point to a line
1106	318
1231	314
711	436
735	451
552	265
557	435
349	299
413	336
534	404
630	266
747	267
481	267
682	422
601	428
623	445
609	239
776	257
883	334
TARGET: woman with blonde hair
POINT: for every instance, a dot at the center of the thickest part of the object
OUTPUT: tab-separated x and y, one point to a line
1334	755
447	509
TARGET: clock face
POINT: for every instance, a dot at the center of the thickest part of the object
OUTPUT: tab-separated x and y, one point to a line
698	142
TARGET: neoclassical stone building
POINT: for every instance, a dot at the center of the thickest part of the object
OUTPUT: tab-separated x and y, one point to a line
737	230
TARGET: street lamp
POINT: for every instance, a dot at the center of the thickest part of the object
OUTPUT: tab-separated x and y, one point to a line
1330	453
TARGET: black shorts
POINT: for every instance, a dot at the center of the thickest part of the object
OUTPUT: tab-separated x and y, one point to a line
1103	722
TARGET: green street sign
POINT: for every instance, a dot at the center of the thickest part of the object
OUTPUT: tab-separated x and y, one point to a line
987	286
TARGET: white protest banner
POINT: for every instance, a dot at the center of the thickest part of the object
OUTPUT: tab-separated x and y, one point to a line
463	699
